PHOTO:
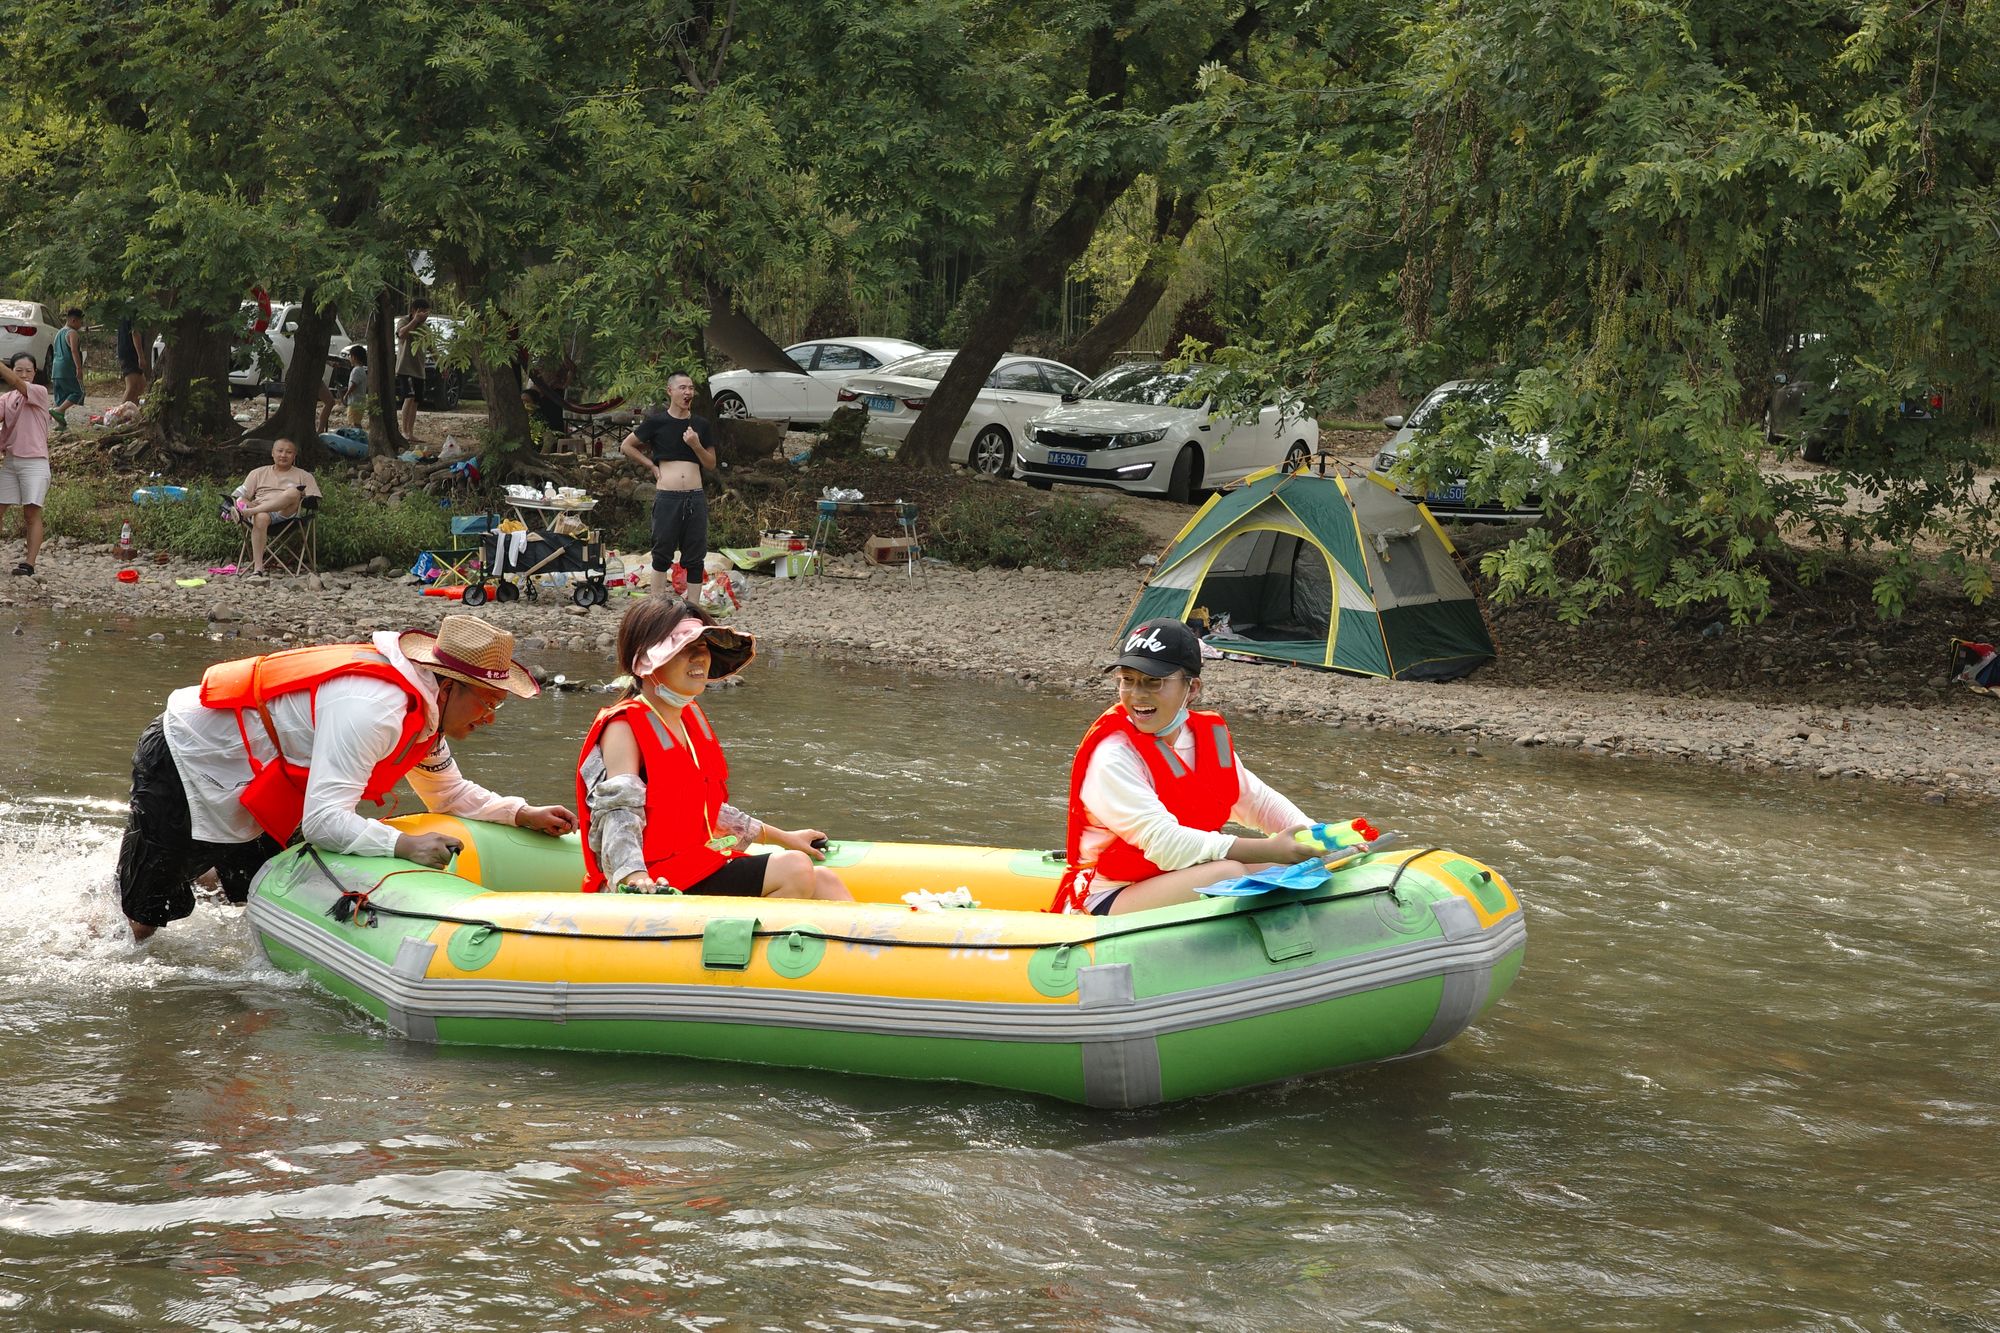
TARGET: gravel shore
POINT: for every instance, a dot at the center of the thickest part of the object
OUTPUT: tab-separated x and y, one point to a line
1050	632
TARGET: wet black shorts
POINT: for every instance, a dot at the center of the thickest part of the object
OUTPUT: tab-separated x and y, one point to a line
742	877
159	857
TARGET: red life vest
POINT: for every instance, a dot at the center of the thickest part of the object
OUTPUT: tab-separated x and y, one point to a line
276	793
684	795
1200	797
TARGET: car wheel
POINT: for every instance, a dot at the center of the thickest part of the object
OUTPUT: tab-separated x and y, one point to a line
1040	483
731	405
1296	456
475	594
1186	479
442	393
1814	452
992	453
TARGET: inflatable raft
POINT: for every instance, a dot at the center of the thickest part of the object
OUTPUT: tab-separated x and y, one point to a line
1393	957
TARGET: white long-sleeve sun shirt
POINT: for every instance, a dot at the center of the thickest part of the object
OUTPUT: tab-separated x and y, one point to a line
351	727
1119	799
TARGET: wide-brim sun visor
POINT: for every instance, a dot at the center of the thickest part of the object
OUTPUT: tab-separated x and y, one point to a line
729	650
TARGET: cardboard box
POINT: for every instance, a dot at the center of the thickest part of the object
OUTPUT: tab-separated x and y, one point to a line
890	550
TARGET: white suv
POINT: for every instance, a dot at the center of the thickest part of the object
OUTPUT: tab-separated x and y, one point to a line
246	362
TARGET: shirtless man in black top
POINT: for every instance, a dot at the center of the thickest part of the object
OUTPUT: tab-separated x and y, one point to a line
675	445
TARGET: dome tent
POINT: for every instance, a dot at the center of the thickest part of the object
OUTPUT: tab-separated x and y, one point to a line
1326	571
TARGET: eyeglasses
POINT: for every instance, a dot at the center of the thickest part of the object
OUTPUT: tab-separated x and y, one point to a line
1147	686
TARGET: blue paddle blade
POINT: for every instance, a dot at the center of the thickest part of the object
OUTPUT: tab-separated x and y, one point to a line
1293	878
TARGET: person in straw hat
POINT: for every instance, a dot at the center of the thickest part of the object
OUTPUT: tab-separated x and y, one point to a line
290	743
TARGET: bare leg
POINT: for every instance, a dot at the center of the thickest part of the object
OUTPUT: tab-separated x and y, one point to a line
260	532
31	525
135	387
663	582
827	886
793	875
1177	886
410	420
140	934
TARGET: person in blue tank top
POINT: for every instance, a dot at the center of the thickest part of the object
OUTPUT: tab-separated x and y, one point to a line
66	367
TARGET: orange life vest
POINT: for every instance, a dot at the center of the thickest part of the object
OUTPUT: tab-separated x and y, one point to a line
685	788
1200	797
276	794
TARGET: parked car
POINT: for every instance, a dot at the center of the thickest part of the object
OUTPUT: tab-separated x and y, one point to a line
247	369
1019	389
444	385
25	326
1790	415
1127	431
810	394
1449	500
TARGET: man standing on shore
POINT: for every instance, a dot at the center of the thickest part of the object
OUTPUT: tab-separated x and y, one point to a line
675	445
66	368
410	363
131	360
291	742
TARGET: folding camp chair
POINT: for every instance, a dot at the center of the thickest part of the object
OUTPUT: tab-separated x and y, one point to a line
290	546
449	567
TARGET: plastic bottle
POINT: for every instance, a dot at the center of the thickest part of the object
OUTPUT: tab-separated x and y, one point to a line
125	548
1333	837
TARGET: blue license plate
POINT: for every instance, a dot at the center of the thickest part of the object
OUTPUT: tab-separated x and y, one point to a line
1453	494
877	403
1063	458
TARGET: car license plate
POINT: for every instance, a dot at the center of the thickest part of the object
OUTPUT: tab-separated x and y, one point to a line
877	403
1453	494
1063	458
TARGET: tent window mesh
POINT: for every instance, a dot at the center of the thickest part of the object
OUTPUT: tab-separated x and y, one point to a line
1273	586
1409	574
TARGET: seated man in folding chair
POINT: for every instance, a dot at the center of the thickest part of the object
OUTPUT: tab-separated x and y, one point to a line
272	497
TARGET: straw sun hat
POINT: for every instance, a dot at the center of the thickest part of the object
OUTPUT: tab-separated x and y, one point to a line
467	648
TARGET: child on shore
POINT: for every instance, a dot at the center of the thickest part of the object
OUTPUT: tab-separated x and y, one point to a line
1153	783
653	787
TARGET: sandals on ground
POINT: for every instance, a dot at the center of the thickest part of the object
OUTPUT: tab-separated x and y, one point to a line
24	568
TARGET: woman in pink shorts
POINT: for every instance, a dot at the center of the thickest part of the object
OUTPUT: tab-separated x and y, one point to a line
24	452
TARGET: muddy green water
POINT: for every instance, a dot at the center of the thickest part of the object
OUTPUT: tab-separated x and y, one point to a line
1747	1079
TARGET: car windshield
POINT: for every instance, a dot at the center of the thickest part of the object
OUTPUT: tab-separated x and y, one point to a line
1430	413
1150	386
923	366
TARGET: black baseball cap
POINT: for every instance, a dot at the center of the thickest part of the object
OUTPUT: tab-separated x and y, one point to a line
1159	648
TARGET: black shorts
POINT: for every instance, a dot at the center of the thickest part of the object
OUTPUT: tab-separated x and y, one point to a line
680	523
408	387
741	877
159	856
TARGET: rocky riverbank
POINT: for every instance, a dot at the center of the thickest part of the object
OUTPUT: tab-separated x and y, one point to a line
1048	631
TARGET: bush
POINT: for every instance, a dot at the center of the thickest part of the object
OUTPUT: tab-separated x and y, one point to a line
353	528
989	525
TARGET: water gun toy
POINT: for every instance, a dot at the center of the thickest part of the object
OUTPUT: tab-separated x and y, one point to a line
1338	837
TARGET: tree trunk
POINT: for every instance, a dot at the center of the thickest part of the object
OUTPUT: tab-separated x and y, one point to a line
507	421
385	436
1173	219
297	417
1023	280
190	404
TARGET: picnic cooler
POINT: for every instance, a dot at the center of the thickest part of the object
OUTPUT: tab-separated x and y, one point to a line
517	560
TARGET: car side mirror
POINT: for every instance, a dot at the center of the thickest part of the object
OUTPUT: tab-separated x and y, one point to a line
1392	423
1780	378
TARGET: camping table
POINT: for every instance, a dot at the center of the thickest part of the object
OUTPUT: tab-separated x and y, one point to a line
904	511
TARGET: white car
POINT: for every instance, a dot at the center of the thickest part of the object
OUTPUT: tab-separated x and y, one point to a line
1449	500
1020	389
25	326
246	362
1126	431
809	394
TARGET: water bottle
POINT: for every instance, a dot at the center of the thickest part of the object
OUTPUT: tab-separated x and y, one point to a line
124	548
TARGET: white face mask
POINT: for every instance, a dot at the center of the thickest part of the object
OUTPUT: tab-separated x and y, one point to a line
1180	720
671	698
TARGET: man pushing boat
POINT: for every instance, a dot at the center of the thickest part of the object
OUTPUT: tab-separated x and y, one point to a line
291	742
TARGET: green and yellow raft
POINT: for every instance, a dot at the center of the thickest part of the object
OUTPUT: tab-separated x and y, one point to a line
1396	955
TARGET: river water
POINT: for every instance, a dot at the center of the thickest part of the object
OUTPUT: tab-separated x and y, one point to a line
1746	1080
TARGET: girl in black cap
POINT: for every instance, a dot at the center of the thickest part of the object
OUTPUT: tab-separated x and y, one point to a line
1154	782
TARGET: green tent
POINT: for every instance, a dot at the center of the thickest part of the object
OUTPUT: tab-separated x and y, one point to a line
1327	571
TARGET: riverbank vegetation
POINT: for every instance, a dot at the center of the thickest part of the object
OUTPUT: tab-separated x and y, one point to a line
1635	220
